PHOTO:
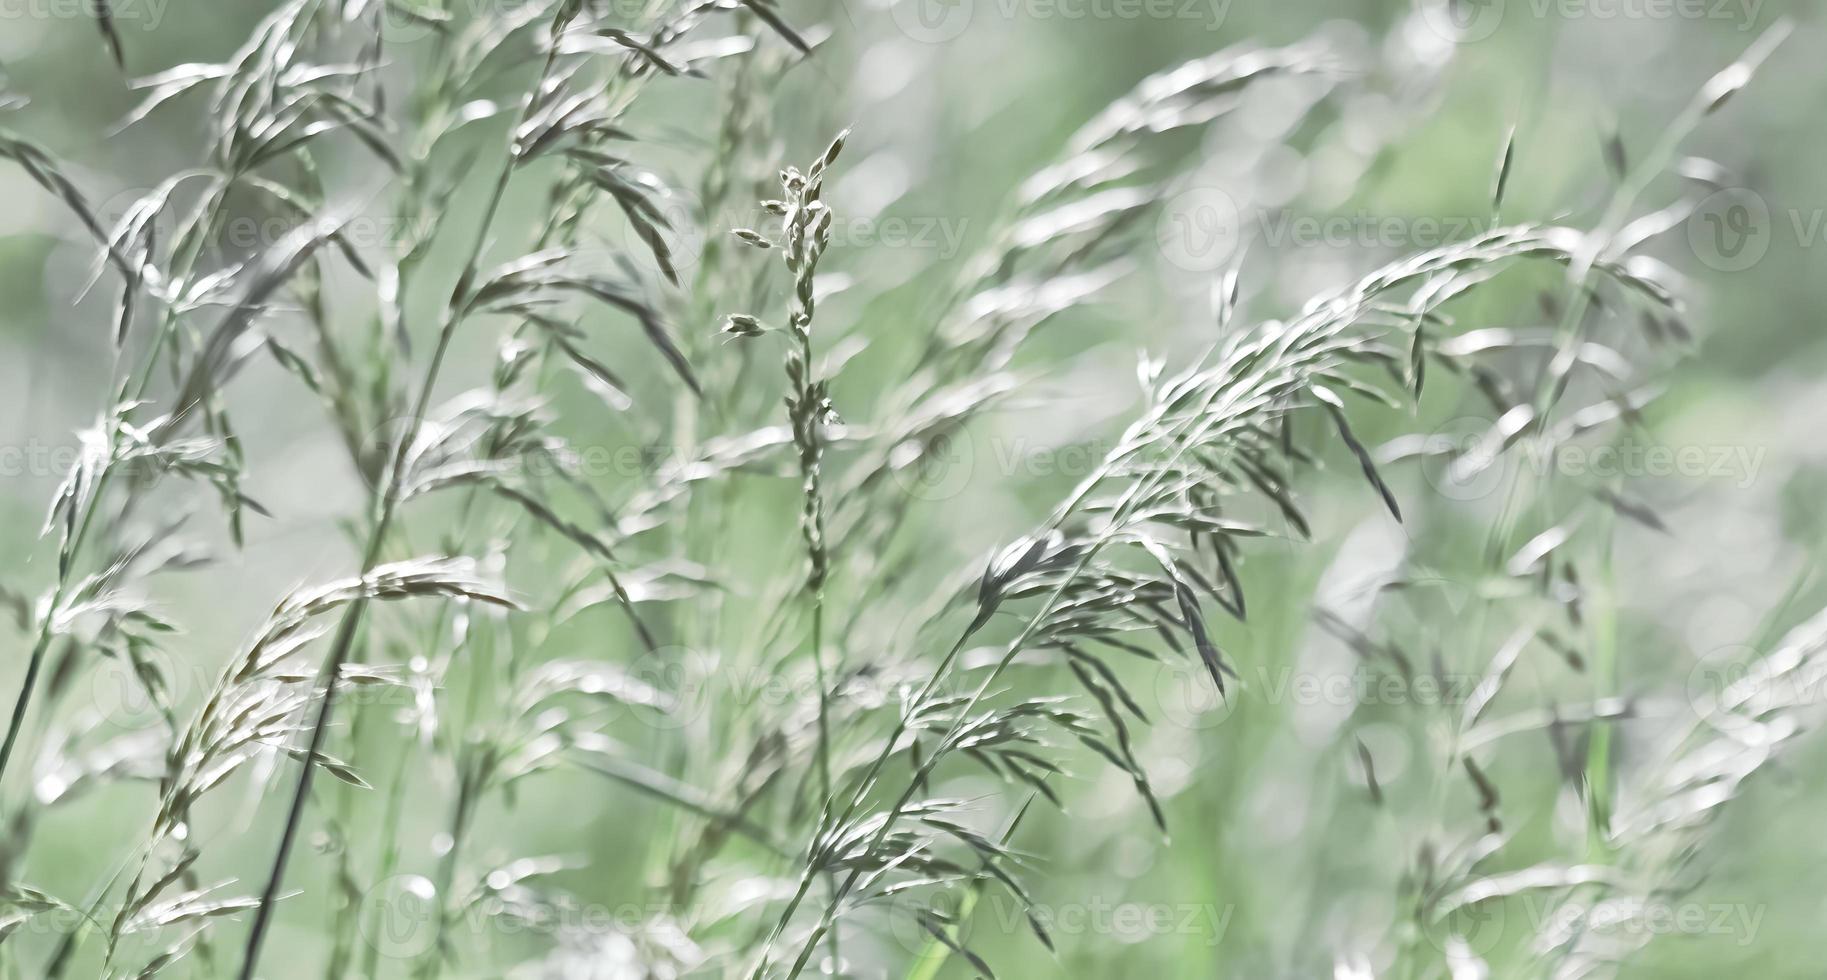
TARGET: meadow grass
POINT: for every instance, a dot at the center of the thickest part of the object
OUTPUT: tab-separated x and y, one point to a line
511	615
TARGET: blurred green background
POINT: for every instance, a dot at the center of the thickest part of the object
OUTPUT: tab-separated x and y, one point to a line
1277	861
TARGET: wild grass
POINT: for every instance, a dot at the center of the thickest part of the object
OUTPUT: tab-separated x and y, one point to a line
812	833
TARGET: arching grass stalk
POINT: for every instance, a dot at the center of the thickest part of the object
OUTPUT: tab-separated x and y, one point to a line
387	502
132	388
1614	234
1202	427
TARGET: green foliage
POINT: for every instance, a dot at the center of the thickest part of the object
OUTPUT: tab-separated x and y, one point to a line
1328	631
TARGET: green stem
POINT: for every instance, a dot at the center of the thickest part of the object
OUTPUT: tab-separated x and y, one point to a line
1189	429
139	383
344	640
